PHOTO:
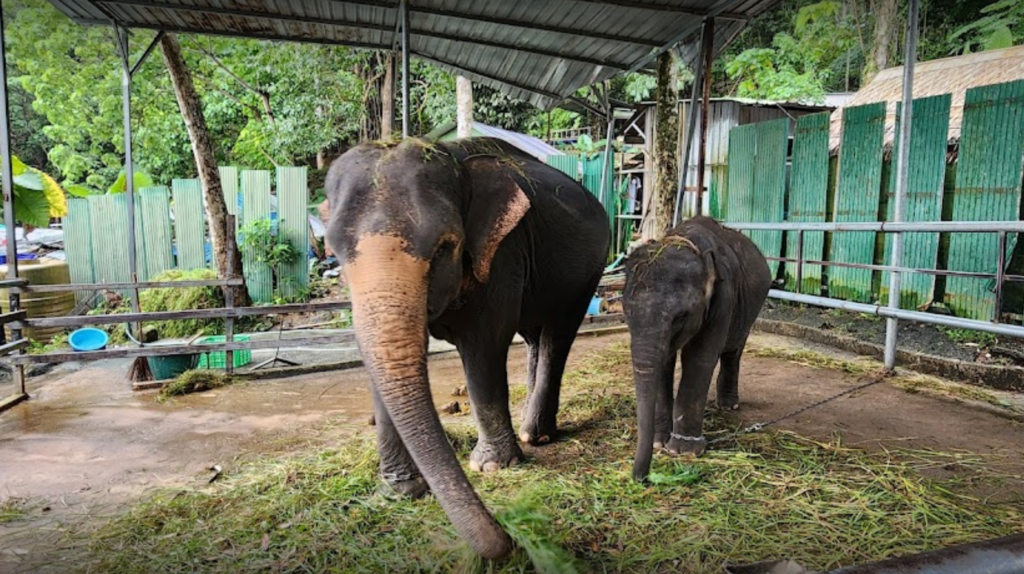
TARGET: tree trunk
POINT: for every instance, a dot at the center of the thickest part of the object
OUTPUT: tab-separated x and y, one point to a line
202	148
387	97
666	146
885	12
463	107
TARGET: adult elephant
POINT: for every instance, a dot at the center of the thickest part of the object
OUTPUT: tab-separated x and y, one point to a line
472	241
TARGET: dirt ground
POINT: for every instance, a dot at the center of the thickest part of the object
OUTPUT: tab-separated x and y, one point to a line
85	445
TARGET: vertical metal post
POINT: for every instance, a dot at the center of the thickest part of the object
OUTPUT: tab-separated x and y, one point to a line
909	57
1000	276
609	134
129	170
229	297
691	128
403	13
8	190
708	53
799	261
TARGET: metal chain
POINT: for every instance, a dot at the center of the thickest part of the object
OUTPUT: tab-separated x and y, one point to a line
761	426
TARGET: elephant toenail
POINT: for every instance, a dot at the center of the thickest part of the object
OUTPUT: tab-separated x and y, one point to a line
543	439
524	437
491	467
658	445
475	466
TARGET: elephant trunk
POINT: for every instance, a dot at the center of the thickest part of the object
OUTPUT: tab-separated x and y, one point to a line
649	366
389	303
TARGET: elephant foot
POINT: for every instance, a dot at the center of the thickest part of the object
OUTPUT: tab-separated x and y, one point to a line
687	445
487	457
536	434
728	403
408	488
661	440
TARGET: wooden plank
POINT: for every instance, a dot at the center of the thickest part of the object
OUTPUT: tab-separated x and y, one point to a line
988	188
129	285
808	198
14	345
857	199
155	206
12	401
78	246
6	318
256	206
165	350
189	223
923	201
175	315
293	227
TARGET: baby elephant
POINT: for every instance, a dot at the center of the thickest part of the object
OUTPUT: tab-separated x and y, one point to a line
696	292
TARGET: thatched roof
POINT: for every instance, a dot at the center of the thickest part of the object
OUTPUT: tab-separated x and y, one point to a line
946	76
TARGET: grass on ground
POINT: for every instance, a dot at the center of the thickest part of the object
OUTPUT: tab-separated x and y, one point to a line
572	508
195	381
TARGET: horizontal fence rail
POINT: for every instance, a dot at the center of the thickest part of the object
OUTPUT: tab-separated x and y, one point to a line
1000	277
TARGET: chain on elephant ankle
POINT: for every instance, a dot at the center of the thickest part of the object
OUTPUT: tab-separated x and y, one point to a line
686	438
393	477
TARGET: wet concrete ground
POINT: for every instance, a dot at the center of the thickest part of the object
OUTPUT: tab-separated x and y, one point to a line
85	445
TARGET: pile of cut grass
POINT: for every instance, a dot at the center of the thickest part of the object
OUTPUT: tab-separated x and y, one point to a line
195	381
572	508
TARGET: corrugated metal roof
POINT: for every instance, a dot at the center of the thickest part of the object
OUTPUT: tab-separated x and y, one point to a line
540	51
953	76
529	144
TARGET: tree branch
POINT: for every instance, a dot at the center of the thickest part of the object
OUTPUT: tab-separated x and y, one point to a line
263	94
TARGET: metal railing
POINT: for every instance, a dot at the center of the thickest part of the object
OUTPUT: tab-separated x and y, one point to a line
1000	228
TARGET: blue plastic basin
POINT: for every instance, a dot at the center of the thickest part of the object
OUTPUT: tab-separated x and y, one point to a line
595	306
88	339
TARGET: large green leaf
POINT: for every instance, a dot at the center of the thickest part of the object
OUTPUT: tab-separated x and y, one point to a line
29	180
31	208
141	179
78	190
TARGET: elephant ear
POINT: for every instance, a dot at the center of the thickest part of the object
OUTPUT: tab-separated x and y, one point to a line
496	206
709	264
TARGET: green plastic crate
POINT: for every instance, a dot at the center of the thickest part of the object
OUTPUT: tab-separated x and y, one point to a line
218	359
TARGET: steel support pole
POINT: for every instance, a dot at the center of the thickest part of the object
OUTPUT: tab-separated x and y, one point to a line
691	128
708	53
909	57
10	223
403	14
129	168
609	134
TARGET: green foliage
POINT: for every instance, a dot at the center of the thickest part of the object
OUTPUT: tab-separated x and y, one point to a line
1001	26
964	336
195	381
268	247
37	196
140	179
184	298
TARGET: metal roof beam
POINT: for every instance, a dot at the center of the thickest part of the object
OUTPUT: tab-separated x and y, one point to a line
365	25
538	91
666	8
534	26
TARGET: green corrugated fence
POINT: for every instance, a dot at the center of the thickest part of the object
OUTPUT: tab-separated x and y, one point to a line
808	198
171	230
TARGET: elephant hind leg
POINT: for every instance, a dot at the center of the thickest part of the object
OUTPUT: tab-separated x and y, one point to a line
727	394
396	466
540	416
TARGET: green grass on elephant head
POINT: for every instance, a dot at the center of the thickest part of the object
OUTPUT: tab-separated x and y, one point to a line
571	508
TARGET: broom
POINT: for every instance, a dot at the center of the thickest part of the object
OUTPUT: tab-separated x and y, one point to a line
139	372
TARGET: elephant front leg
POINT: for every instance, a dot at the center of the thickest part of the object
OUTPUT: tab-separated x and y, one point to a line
663	404
487	383
396	466
691	399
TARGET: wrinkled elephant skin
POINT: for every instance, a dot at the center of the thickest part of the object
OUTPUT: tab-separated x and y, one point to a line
470	241
695	293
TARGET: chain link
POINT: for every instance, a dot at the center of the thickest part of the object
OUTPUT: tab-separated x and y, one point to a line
756	427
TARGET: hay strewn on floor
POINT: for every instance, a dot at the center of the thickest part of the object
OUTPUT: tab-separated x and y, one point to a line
574	507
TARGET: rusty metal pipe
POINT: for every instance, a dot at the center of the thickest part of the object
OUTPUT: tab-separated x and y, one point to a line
999	556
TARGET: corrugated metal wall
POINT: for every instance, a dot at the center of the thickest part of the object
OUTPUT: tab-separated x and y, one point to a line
742	149
162	245
256	206
857	197
988	188
189	223
293	225
923	200
808	197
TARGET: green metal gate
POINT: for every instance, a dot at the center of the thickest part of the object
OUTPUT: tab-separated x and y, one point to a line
808	198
